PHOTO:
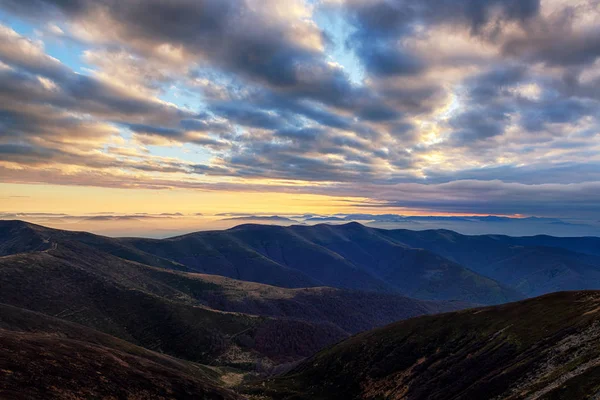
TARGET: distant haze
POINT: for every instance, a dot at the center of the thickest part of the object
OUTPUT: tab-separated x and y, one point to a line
172	224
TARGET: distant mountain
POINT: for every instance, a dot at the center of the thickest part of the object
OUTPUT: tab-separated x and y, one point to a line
531	265
48	358
20	237
542	348
349	256
262	253
197	317
585	245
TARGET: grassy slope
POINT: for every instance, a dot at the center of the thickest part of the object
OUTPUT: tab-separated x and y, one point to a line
415	272
122	299
546	348
353	311
49	358
498	268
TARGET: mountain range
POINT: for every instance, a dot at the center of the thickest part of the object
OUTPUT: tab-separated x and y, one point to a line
349	256
201	314
428	265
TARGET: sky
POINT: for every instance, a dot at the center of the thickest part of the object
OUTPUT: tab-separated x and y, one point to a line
430	107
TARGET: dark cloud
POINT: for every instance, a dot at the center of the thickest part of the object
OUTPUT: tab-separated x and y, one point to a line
478	124
562	173
41	97
385	60
492	83
396	18
381	27
247	115
25	153
35	155
496	197
536	115
155	130
559	40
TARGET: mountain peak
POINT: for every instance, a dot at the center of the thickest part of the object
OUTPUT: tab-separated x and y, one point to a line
353	225
13	223
18	236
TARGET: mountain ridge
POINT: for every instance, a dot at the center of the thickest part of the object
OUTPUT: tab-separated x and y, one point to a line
326	254
353	256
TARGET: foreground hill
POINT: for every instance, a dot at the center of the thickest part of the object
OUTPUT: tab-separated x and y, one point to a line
209	319
45	357
486	353
541	348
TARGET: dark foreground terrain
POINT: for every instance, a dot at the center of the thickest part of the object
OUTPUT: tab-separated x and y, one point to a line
47	358
543	348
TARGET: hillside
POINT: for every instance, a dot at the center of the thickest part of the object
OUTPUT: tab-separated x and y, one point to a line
21	237
45	357
265	254
541	348
347	256
352	311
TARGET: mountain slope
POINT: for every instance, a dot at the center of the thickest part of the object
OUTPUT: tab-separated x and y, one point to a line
50	358
250	252
414	272
431	265
347	256
352	311
21	237
541	348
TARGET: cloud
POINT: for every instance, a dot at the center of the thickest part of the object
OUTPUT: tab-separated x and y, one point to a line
398	102
566	37
497	197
